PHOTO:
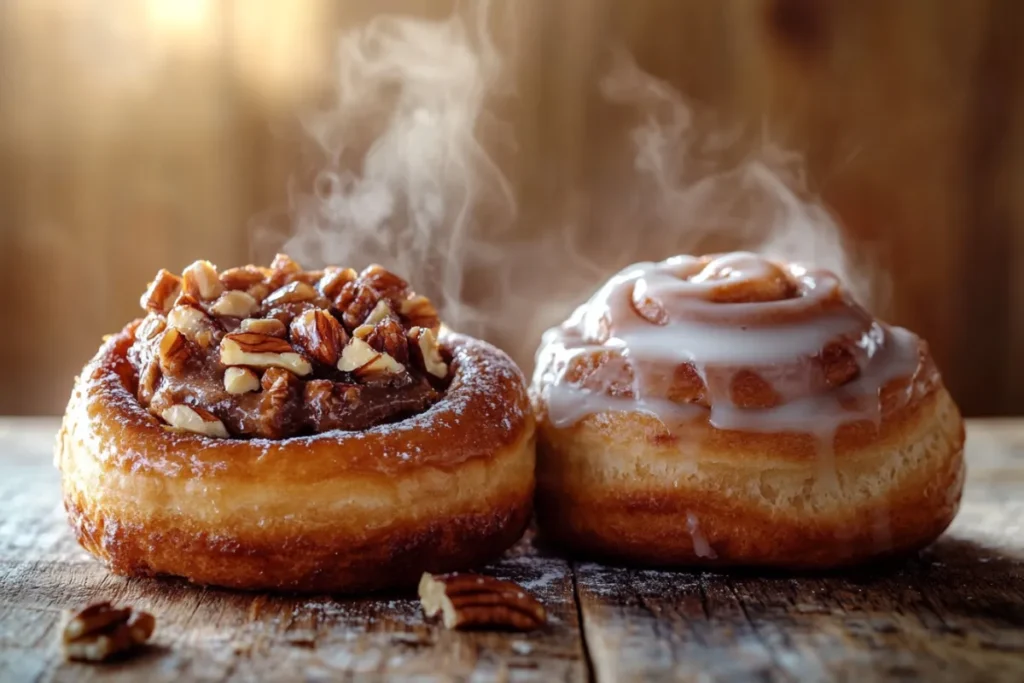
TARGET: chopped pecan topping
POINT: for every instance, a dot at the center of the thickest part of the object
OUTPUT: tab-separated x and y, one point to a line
150	327
425	352
282	270
355	303
381	311
364	361
388	337
386	283
270	327
470	601
190	320
194	419
240	380
320	335
334	279
261	351
201	281
175	350
101	631
280	351
292	293
235	303
162	292
241	278
148	380
419	312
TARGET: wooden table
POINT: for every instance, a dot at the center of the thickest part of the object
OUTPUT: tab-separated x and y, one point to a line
955	613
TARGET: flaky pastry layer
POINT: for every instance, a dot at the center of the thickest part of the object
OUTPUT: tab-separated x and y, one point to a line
333	512
615	485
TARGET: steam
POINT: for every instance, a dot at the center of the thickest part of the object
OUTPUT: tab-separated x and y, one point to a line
409	180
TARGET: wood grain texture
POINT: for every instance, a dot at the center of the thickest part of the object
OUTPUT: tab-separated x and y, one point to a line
953	613
138	135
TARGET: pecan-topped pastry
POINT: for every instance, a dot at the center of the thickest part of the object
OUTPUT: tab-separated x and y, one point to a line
300	430
279	351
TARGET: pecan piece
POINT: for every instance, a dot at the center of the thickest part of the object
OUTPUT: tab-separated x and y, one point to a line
320	335
271	327
468	601
381	311
241	278
201	281
261	351
174	351
418	311
162	292
282	270
101	631
385	282
280	388
292	293
334	279
364	361
150	328
240	380
355	303
235	304
425	352
389	337
191	321
148	379
194	419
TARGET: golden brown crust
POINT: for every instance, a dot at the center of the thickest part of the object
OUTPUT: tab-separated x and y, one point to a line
615	485
333	512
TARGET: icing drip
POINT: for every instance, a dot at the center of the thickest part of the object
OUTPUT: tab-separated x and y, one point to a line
747	343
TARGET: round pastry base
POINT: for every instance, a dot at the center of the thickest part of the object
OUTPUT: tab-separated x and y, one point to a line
613	487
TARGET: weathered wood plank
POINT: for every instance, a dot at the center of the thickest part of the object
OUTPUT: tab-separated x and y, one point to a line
215	635
954	613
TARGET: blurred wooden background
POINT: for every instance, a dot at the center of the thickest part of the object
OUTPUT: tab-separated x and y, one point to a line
145	133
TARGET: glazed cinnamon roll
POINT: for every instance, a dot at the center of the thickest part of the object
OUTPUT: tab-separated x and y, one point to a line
275	428
734	410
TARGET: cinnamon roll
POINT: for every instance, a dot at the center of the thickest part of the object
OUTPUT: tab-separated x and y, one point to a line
734	410
275	428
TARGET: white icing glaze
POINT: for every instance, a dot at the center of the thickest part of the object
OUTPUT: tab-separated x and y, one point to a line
722	316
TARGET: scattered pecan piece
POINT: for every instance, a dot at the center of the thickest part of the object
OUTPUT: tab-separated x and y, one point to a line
100	632
471	601
320	335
